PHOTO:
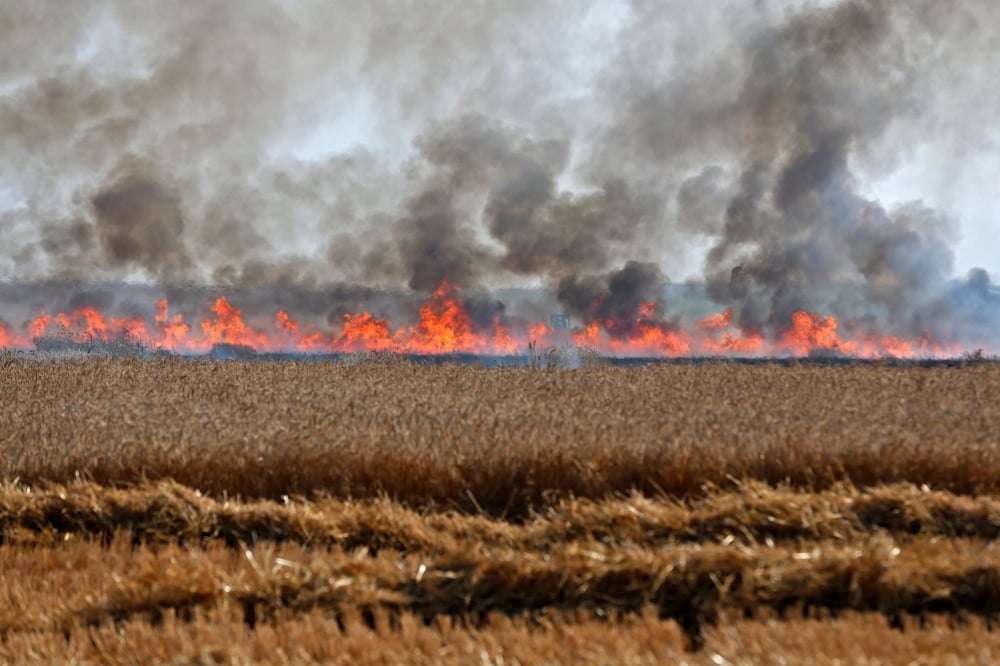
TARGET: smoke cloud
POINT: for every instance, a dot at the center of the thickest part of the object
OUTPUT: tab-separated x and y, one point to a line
342	150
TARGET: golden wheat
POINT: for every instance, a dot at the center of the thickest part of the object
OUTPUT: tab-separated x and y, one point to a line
500	440
373	511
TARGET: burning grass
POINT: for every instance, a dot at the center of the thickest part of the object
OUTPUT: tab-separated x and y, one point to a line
445	326
234	511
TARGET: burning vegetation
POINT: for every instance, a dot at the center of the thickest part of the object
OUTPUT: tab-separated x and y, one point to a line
444	326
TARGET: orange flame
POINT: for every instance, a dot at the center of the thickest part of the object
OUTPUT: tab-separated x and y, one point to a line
716	321
651	337
295	338
811	332
38	325
729	342
445	326
590	337
364	332
736	344
88	324
503	343
172	329
538	332
230	328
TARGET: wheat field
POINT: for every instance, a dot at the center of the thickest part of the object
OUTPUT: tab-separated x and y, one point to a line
385	511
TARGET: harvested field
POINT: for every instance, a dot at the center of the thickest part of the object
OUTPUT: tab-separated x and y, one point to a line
389	511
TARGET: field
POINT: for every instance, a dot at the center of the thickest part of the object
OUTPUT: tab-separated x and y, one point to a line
381	510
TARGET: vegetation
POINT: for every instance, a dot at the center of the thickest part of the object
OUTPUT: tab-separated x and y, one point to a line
380	510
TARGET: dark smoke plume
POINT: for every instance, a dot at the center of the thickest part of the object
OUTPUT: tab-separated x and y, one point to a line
140	223
614	299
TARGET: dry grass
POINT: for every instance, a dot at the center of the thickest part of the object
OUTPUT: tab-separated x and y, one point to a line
750	514
390	512
221	636
69	587
500	440
85	560
82	596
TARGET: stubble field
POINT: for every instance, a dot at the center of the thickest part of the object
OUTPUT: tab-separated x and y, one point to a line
385	511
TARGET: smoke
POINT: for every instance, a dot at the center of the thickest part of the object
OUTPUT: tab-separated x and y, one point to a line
140	222
820	87
357	149
613	299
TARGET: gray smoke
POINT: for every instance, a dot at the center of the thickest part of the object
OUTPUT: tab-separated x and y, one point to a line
820	87
165	145
140	223
614	300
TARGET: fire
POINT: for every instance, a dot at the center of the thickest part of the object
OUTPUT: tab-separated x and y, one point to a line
444	326
230	328
503	343
716	321
87	324
38	325
653	340
649	336
295	338
538	332
364	332
729	342
590	337
810	332
172	330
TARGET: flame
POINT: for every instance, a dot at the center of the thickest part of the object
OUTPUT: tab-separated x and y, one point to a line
538	332
229	328
716	321
590	337
503	343
813	332
735	344
444	326
729	342
364	332
37	326
653	340
172	330
648	336
295	338
87	324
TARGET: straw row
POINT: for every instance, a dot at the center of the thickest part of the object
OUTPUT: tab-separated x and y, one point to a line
690	584
748	513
